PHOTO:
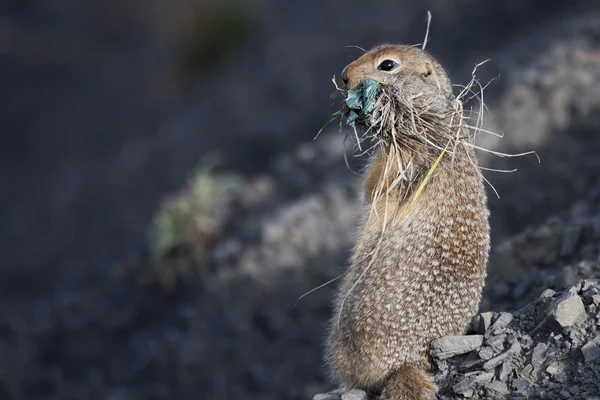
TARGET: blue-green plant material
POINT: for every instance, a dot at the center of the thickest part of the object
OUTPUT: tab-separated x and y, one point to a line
361	101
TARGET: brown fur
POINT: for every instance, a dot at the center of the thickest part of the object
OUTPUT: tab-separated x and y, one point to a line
417	272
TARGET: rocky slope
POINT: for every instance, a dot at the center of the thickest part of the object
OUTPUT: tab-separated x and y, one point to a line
79	326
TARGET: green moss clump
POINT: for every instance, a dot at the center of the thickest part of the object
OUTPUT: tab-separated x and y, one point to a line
186	226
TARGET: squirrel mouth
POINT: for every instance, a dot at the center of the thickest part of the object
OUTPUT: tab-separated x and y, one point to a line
360	103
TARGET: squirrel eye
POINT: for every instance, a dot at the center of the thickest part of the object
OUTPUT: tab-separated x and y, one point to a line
386	65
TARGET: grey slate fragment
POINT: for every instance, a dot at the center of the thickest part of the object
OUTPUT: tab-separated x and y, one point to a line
464	385
591	350
526	371
596	299
502	322
515	348
451	346
327	396
587	285
485	353
548	293
552	369
470	361
498	387
539	355
520	385
494	362
471	381
354	394
574	390
497	342
568	310
565	394
527	341
483	322
505	370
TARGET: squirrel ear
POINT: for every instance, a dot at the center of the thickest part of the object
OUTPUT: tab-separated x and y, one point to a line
426	69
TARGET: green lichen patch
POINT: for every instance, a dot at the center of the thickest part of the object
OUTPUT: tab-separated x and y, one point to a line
361	101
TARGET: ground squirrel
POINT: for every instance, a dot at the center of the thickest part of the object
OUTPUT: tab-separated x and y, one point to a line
419	263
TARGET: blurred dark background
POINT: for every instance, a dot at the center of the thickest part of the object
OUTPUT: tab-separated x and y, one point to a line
109	106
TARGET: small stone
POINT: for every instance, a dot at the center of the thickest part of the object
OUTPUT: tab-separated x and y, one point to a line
574	390
565	394
505	370
327	396
469	382
441	365
591	350
520	385
498	387
496	342
558	337
494	362
568	310
552	369
451	346
515	348
502	322
527	341
586	285
547	294
571	332
596	299
539	355
354	394
482	322
526	371
573	289
485	353
465	385
471	360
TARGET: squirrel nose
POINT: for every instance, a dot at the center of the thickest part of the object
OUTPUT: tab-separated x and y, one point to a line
345	76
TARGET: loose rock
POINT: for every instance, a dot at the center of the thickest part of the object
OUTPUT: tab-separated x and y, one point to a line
496	342
505	370
591	350
498	387
502	322
470	382
539	355
485	353
451	346
327	396
568	310
354	394
530	358
494	362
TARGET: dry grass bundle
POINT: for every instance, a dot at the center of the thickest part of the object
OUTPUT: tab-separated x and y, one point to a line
415	131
